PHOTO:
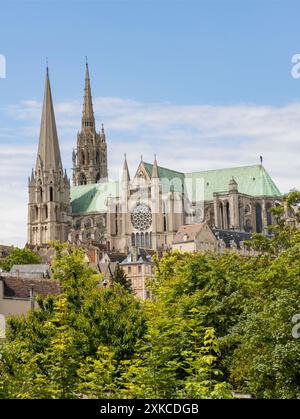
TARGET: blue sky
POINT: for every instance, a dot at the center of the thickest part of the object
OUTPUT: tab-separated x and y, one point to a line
204	84
213	51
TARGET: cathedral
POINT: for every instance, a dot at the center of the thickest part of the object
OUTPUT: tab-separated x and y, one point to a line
144	210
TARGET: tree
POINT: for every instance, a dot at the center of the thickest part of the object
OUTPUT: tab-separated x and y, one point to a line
19	257
266	362
119	277
49	352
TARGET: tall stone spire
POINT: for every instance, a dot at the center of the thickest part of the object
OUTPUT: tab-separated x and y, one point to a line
88	119
126	176
48	151
48	186
90	156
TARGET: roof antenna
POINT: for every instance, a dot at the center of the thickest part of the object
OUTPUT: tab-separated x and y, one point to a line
261	159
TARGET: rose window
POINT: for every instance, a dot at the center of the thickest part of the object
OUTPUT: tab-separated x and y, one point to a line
141	217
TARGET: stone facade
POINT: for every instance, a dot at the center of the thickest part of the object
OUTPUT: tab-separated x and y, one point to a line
144	211
48	186
90	156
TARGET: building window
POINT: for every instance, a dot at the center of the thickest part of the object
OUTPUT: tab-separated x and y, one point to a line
142	240
132	239
228	215
82	179
138	242
40	194
88	223
139	269
51	194
258	218
147	244
129	269
46	211
222	215
269	215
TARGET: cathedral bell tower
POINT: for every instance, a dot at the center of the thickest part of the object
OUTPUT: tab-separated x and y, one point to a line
48	185
90	157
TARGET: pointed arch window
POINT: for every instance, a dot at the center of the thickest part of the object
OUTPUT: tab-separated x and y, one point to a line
132	239
51	193
82	158
258	217
138	242
82	179
147	244
45	212
40	194
142	240
222	215
269	214
227	215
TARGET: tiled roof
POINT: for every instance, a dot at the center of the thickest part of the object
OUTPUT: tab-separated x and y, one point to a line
187	232
169	178
116	257
20	287
28	269
252	180
163	172
228	235
143	256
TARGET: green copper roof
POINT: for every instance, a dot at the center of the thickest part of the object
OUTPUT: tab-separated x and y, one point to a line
169	178
252	180
92	198
163	172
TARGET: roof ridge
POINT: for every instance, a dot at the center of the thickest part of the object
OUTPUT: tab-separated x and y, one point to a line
165	168
225	168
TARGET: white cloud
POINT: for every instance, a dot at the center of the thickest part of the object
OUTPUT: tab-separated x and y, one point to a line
184	137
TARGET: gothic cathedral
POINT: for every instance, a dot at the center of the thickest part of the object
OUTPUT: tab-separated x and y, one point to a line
144	211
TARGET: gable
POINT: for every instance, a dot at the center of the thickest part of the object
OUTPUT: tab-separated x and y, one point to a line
252	180
141	174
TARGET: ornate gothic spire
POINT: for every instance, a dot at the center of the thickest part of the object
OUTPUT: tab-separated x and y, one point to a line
88	119
155	168
48	152
126	176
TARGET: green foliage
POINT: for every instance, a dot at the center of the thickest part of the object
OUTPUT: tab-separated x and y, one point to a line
46	352
120	277
19	257
267	360
215	323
